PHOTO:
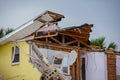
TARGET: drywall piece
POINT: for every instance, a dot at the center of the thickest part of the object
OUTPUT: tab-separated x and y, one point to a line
96	66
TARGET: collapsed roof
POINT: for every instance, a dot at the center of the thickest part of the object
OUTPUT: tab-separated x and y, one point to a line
65	37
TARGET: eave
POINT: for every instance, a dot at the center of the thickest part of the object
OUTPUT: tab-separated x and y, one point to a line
31	26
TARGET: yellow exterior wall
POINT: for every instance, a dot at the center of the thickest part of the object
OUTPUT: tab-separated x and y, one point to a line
22	71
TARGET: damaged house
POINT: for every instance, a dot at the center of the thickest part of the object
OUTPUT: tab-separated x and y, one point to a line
40	49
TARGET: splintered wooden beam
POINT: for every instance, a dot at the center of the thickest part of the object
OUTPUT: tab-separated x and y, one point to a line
63	39
76	38
71	42
85	44
72	35
55	40
86	29
45	36
72	71
79	30
75	32
46	39
54	45
78	65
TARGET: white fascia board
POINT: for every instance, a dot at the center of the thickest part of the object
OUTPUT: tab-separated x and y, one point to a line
15	31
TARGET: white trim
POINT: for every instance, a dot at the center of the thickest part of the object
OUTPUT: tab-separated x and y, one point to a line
15	63
27	28
14	53
12	33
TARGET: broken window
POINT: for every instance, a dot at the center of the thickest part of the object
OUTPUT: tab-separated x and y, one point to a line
65	66
58	60
15	54
65	70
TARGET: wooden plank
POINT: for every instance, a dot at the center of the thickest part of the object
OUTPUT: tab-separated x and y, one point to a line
53	45
55	40
72	71
63	39
76	32
78	65
85	44
71	42
46	40
75	70
79	30
72	35
45	36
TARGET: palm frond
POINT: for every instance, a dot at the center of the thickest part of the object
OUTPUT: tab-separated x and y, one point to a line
98	42
112	45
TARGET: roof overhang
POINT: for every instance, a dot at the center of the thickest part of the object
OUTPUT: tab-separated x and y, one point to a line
31	26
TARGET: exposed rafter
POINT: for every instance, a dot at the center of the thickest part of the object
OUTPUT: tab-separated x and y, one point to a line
45	36
65	38
57	41
54	45
71	42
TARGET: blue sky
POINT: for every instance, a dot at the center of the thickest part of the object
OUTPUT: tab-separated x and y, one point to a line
104	14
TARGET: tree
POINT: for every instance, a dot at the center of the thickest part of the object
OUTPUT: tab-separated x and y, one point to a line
1	32
9	30
101	43
4	32
98	42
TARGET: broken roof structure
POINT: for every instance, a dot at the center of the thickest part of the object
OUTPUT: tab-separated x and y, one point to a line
31	26
43	33
81	33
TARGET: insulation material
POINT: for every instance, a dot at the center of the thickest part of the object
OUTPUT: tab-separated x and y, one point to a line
63	62
48	28
96	66
49	54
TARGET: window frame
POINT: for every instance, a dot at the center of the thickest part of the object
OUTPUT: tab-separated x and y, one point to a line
15	55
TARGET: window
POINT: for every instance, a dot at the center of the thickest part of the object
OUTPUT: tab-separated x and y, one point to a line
57	60
15	54
65	70
61	62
